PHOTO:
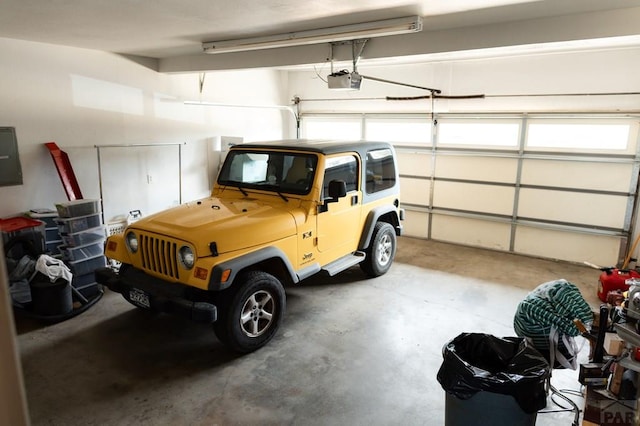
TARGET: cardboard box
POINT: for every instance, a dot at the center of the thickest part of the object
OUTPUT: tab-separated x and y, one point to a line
603	408
613	344
616	379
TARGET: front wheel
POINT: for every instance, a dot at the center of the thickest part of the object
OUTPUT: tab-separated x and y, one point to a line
251	315
381	250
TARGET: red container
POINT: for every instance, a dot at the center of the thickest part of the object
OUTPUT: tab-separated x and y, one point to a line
614	279
24	229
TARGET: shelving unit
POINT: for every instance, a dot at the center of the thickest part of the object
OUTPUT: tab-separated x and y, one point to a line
42	231
631	338
83	236
52	238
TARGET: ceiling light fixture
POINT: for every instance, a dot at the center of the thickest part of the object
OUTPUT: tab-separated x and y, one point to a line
387	27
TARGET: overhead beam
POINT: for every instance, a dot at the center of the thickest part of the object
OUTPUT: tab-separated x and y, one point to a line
585	26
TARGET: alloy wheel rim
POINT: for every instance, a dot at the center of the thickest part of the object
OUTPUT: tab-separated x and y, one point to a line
257	313
385	247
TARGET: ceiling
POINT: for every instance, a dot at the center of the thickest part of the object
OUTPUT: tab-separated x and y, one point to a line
173	30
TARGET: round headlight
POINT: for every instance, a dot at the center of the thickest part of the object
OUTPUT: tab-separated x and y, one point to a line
186	257
132	242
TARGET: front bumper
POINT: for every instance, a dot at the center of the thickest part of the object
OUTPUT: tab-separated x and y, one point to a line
163	296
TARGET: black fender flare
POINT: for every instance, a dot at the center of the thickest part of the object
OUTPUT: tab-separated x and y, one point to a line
371	221
242	262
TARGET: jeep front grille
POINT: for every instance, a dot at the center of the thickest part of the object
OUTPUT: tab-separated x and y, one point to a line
159	256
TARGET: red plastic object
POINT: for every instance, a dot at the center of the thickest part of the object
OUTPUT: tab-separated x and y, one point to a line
65	171
614	279
23	227
18	223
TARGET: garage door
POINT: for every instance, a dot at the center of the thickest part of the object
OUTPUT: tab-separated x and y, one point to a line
553	186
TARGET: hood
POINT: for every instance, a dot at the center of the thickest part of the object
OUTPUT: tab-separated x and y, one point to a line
233	224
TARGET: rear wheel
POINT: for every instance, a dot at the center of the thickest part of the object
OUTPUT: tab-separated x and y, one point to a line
250	316
381	250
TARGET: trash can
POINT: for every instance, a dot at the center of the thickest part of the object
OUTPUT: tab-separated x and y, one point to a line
51	287
50	298
492	381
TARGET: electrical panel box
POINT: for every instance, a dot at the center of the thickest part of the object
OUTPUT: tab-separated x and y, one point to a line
10	170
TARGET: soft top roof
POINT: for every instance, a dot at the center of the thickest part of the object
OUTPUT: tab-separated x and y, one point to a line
319	146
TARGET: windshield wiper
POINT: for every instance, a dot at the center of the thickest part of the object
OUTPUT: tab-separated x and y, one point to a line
276	189
245	193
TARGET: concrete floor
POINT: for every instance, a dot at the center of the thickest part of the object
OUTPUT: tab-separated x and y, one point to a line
351	351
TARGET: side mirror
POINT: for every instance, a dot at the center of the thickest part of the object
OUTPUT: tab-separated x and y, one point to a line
337	189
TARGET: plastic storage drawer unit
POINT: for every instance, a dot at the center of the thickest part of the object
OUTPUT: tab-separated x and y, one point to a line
45	215
86	266
73	225
83	280
84	237
83	252
78	208
52	247
52	237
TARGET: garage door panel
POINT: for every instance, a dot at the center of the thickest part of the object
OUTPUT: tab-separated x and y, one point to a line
472	232
571	207
415	191
566	180
415	224
577	174
414	163
573	247
490	169
474	197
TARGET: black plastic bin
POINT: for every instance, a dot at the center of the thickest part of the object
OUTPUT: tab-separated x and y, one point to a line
492	381
50	298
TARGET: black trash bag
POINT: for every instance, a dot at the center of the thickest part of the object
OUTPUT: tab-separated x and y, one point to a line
475	362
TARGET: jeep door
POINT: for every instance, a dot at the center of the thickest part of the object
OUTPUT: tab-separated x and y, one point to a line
339	220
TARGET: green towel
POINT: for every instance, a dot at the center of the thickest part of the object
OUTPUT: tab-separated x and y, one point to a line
551	307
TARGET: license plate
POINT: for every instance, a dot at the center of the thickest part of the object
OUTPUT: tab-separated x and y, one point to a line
139	297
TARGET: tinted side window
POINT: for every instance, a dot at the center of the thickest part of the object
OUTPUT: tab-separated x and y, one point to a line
341	168
381	170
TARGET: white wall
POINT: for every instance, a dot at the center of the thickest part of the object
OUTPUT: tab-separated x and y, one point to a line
554	73
81	98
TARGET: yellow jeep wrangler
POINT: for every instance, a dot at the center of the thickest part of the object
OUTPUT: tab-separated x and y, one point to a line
278	213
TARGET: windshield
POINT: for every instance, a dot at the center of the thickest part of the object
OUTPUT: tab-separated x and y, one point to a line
269	170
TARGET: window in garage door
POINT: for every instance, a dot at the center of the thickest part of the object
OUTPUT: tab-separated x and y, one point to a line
557	186
340	128
415	166
578	177
401	130
476	167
